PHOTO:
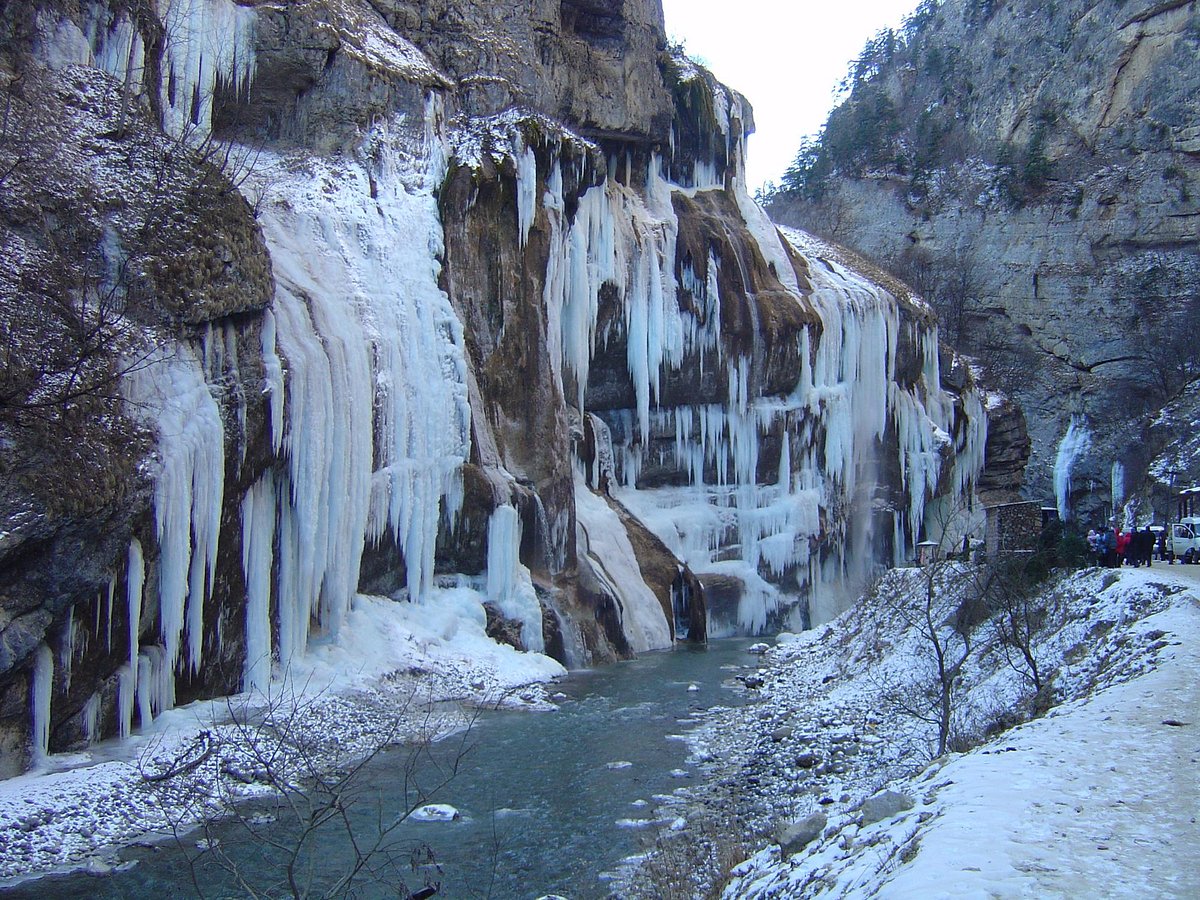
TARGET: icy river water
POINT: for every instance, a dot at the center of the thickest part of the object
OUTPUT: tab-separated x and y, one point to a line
550	803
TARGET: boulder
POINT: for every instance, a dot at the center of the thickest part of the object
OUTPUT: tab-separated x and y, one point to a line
884	805
794	837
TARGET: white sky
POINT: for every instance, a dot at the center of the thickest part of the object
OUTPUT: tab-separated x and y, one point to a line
786	56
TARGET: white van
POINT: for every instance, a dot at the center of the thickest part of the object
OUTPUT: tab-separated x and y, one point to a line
1184	540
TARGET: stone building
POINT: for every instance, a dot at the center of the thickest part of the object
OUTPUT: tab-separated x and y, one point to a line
1013	527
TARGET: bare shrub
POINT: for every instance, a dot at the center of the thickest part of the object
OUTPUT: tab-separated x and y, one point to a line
275	805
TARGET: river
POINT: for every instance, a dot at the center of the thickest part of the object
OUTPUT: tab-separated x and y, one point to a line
549	803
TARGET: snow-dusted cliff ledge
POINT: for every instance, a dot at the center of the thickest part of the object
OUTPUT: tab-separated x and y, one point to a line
569	371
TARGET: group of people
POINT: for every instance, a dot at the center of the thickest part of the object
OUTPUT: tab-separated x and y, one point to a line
1114	548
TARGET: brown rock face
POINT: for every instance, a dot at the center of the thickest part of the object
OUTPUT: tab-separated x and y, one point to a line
1006	455
592	64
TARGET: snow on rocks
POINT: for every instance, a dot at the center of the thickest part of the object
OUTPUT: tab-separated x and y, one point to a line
435	812
1096	791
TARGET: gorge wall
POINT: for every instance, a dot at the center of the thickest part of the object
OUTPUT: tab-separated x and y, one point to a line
1035	170
331	297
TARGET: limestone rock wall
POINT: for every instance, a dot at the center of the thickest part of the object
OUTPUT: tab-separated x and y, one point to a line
1037	178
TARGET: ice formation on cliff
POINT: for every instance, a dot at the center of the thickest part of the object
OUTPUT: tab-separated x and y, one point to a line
366	382
833	424
1075	442
376	422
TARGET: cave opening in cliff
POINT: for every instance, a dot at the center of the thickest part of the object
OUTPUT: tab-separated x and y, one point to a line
598	22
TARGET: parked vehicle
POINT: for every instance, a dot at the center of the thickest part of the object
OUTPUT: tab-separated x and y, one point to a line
1184	540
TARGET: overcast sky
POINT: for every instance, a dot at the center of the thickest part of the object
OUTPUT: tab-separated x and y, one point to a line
786	56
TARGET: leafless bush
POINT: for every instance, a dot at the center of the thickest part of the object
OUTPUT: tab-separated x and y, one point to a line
929	692
694	864
1021	611
278	808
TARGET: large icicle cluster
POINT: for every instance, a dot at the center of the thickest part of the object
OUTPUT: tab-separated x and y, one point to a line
376	422
833	425
170	389
209	46
365	380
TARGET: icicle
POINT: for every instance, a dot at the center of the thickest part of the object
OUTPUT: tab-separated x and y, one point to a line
89	719
40	691
273	380
126	694
135	579
144	690
66	653
526	191
108	614
155	684
258	539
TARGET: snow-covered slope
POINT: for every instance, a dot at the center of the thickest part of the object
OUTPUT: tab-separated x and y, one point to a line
1097	797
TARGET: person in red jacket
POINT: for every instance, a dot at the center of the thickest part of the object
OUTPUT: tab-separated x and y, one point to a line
1122	546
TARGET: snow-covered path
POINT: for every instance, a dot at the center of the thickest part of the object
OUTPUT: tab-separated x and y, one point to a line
1097	799
1176	572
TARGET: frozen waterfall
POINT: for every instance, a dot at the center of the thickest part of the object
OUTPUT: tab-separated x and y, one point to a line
1074	444
833	424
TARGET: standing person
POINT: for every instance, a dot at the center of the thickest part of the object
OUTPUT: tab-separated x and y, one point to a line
1147	546
1133	550
1162	544
1122	545
1108	548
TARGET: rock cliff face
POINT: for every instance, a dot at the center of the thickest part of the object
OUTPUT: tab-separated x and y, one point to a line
1033	168
395	298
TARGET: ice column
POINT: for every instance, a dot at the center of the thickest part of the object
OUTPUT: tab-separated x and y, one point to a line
258	544
135	579
40	691
1074	444
126	694
1118	485
509	585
